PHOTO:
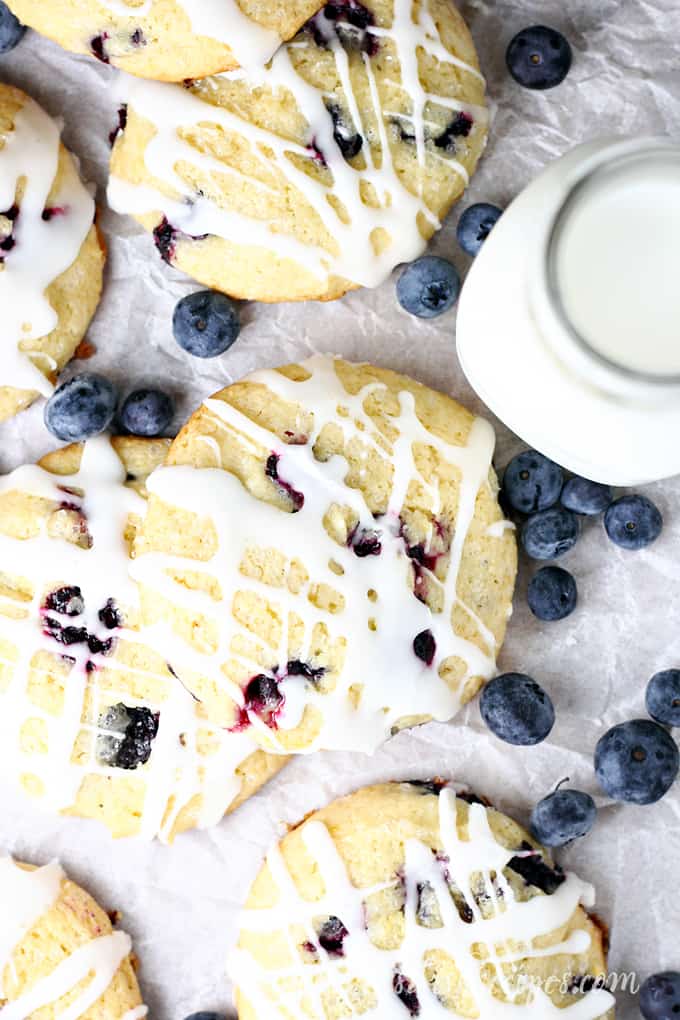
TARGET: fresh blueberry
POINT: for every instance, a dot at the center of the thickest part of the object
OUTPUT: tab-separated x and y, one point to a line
636	761
80	408
633	522
475	225
552	593
562	816
550	533
516	709
146	412
531	482
660	996
206	323
206	1015
663	697
428	287
585	497
11	29
539	57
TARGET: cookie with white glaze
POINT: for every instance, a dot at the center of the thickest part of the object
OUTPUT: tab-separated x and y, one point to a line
93	723
169	40
59	952
319	173
326	546
403	900
51	255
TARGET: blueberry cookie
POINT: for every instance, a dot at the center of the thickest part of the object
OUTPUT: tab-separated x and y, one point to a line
51	256
326	548
59	954
319	173
169	40
405	900
92	720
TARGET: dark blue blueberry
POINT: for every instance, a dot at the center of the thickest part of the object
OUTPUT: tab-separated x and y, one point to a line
206	323
663	697
428	287
552	593
146	412
633	522
516	709
532	482
475	225
80	408
660	996
636	761
11	29
406	992
425	646
530	864
539	57
350	142
263	697
67	601
550	533
562	816
332	936
206	1015
98	47
459	127
585	497
131	731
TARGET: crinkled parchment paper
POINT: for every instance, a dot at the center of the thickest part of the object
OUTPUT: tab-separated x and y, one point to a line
180	903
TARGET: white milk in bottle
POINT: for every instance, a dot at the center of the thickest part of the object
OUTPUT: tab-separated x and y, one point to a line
569	321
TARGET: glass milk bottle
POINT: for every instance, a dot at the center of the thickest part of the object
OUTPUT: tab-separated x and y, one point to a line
569	320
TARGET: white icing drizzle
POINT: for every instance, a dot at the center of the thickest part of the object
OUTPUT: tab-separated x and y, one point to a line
354	231
176	771
378	655
43	248
280	989
25	897
223	20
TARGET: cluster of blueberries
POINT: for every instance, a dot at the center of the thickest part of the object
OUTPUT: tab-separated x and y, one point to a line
552	510
205	324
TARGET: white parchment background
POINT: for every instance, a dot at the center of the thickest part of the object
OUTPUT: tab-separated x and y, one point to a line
180	903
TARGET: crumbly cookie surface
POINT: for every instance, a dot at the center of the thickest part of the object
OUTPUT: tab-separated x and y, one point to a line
404	900
326	547
51	255
59	953
169	40
93	722
321	172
